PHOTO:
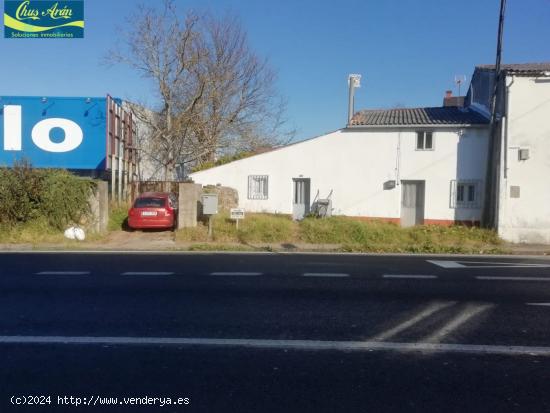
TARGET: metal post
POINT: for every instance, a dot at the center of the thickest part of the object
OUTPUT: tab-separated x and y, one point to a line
120	153
113	177
125	159
110	142
350	101
209	227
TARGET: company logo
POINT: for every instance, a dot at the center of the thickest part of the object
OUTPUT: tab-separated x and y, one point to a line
43	19
41	132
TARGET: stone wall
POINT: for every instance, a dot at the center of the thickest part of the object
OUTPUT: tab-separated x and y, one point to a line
227	197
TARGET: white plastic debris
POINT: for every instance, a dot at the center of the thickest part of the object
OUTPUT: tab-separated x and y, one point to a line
69	233
79	234
75	233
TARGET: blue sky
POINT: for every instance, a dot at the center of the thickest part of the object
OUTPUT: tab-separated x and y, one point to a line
407	51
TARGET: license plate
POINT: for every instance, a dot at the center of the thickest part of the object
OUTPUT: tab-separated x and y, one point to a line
149	214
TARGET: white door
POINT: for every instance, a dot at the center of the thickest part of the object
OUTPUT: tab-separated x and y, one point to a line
412	203
300	204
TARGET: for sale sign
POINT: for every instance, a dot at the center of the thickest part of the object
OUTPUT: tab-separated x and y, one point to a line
237	213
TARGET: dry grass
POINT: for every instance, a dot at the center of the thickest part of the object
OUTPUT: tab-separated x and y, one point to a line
32	232
356	235
117	217
40	232
350	234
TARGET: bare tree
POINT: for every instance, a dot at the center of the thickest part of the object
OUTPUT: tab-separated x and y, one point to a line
240	109
216	95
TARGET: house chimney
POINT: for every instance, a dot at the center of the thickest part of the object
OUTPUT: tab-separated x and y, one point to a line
354	81
453	101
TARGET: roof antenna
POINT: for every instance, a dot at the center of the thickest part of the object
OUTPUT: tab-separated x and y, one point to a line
459	80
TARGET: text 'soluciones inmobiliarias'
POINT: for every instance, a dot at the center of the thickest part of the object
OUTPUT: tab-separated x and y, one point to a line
43	19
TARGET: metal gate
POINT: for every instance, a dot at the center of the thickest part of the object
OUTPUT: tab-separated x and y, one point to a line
140	187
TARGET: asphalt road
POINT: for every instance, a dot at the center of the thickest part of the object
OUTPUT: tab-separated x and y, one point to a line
273	332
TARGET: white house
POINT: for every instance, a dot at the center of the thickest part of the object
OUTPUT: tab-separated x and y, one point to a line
414	166
521	153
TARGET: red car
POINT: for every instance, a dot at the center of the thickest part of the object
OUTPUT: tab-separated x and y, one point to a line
153	210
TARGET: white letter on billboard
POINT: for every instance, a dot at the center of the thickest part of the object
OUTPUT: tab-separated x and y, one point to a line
41	135
12	128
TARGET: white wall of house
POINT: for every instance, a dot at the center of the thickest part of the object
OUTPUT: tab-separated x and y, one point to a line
526	218
353	164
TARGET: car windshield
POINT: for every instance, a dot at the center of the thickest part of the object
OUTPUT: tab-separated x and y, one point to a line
149	203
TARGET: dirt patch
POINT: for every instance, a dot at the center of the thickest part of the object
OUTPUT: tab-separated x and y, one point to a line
138	240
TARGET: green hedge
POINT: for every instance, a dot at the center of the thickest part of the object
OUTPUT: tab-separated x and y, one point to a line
53	195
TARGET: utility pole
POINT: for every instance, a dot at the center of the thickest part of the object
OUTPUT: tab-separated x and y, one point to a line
491	181
498	59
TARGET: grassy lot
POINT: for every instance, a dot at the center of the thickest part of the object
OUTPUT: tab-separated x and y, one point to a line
350	234
117	218
38	231
269	231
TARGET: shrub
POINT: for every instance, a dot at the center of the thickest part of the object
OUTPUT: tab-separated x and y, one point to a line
50	195
64	198
20	189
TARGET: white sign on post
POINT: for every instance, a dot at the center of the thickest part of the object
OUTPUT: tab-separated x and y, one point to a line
237	214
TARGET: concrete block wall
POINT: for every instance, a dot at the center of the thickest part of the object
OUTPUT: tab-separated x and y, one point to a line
99	207
189	199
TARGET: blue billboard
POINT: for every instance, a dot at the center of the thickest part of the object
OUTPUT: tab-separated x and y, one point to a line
54	132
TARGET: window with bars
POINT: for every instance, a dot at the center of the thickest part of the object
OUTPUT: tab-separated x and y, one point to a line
424	141
258	186
465	194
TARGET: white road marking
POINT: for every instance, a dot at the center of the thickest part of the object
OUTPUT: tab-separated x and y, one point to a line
147	273
405	276
236	273
432	308
508	266
324	274
469	312
311	345
63	273
334	264
512	264
540	304
485	264
446	264
499	278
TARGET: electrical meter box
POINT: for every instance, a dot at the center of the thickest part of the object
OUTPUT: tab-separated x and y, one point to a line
523	154
209	204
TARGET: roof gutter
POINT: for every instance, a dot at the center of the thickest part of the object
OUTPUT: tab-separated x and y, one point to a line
420	126
518	72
